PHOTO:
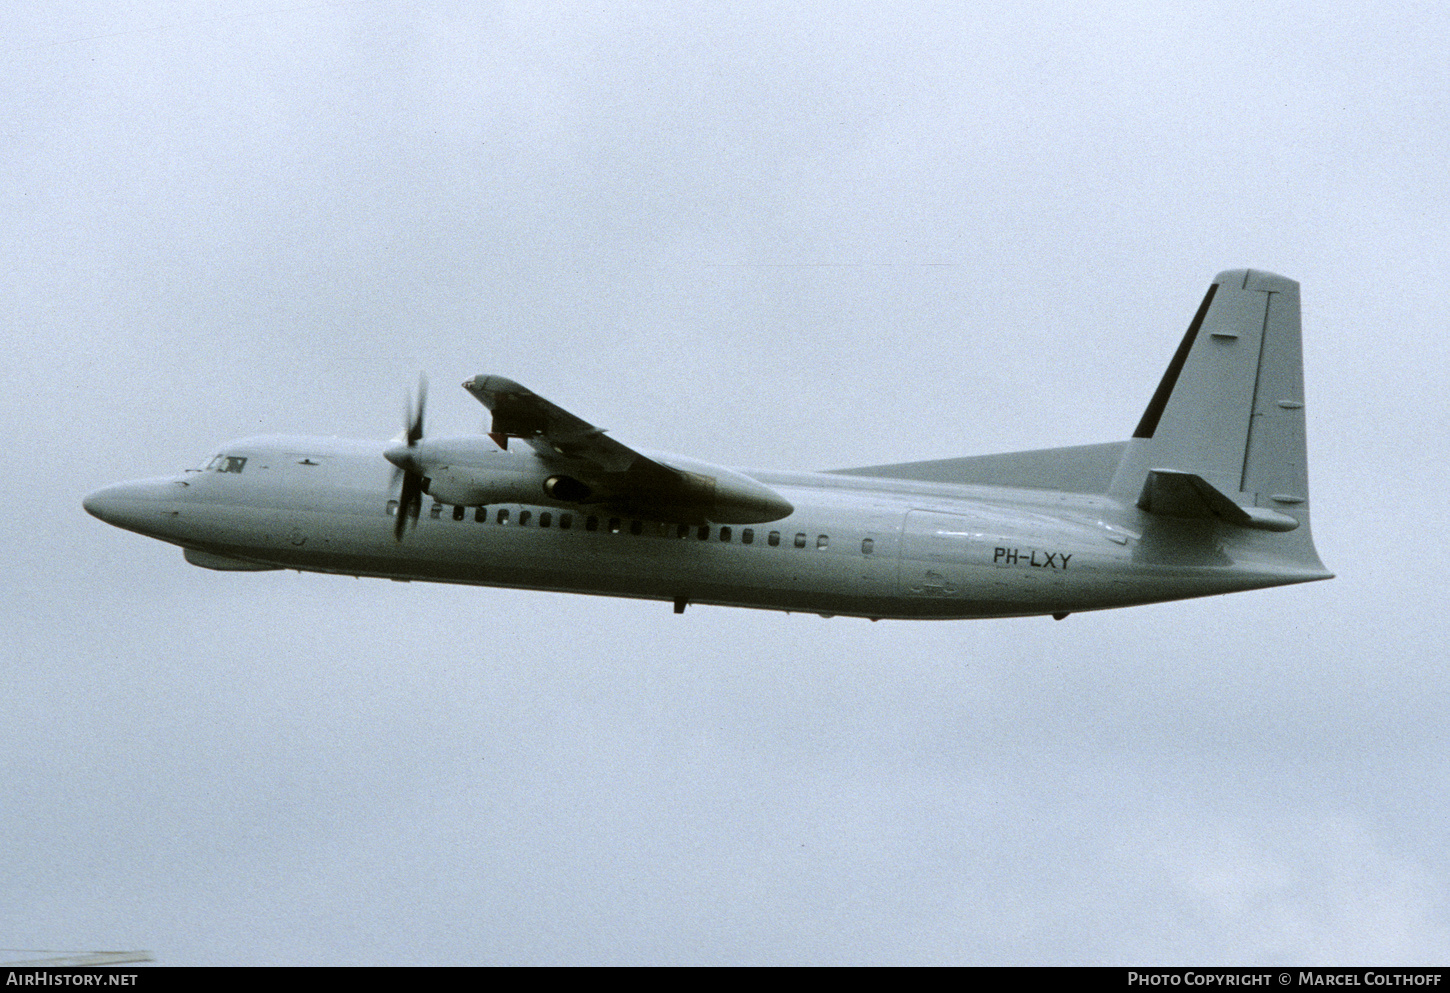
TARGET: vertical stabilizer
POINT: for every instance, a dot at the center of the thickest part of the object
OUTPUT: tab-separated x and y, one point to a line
1229	412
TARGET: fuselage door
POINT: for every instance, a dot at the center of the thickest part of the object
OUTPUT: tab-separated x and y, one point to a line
934	550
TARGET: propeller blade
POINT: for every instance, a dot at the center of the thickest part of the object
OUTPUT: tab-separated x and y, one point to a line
415	422
410	499
410	502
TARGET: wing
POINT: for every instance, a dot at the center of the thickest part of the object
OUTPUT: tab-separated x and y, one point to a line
617	475
554	433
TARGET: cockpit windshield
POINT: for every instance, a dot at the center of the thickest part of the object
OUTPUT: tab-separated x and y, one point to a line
226	463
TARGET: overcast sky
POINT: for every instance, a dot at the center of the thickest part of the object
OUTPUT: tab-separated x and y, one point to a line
823	236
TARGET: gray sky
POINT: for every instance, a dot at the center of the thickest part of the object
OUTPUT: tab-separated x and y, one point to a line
832	235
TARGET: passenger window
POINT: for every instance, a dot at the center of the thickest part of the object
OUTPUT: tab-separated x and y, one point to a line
867	546
503	515
683	531
591	523
636	527
458	513
614	525
724	534
566	521
704	532
545	519
435	511
747	536
773	540
800	541
480	515
524	516
822	541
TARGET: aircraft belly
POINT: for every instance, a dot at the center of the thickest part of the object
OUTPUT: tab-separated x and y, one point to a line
622	564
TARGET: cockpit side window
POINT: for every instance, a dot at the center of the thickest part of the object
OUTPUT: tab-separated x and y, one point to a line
227	463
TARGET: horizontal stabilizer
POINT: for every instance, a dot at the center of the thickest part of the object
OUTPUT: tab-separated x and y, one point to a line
1170	493
1078	469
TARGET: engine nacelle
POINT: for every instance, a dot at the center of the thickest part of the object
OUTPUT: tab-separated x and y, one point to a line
469	487
723	495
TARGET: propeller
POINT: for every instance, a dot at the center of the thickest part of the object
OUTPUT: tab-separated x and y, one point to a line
410	499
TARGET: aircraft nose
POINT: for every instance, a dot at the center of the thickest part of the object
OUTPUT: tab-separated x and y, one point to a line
101	503
141	506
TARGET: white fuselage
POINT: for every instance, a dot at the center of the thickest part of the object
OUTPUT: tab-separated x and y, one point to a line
852	545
